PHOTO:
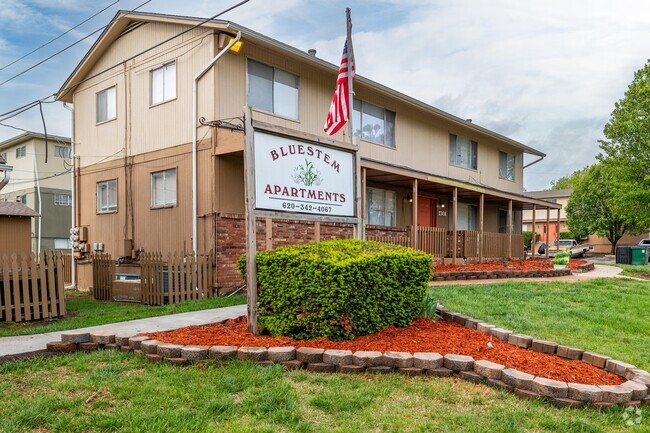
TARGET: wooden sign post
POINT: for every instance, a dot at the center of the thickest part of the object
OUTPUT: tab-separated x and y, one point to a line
250	218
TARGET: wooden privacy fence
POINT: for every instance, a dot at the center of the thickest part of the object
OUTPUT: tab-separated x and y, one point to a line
31	290
67	268
399	240
180	278
103	276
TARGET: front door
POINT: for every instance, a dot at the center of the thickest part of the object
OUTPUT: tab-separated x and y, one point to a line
427	211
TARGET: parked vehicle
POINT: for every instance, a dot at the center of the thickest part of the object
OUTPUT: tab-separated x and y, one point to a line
645	242
571	246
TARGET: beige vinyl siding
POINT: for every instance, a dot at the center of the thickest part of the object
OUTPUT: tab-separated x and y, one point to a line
139	126
422	141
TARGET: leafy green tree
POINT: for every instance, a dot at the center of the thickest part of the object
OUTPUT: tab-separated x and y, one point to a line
627	148
570	181
593	209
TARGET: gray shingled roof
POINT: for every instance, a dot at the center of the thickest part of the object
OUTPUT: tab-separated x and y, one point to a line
14	208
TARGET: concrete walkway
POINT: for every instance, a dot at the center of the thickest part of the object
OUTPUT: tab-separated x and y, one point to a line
24	344
600	271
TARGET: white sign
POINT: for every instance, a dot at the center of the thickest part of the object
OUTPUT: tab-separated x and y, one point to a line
297	176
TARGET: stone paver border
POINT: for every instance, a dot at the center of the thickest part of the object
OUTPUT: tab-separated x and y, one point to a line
634	392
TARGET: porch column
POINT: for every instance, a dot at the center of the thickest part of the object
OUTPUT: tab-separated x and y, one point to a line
558	227
364	217
454	241
548	229
414	216
481	211
532	242
509	228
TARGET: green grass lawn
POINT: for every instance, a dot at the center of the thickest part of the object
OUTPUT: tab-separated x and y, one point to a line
609	316
111	391
84	310
638	271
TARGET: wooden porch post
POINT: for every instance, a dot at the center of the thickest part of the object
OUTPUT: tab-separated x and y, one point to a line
548	229
454	241
558	227
481	211
509	228
414	216
532	242
364	217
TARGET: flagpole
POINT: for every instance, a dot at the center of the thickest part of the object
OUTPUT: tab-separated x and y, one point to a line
359	231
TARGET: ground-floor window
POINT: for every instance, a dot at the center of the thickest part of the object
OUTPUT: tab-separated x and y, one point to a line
61	244
381	207
466	217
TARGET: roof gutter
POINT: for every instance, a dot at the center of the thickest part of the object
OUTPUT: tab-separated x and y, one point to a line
542	156
195	85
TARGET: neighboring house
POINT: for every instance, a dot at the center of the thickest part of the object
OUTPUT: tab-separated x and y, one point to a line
561	197
15	229
133	135
26	153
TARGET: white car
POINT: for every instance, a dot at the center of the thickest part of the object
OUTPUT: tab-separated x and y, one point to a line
645	242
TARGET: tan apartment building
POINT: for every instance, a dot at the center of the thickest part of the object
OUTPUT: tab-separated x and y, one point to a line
133	134
32	177
561	196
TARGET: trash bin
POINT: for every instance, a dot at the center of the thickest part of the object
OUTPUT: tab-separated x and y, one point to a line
639	256
624	255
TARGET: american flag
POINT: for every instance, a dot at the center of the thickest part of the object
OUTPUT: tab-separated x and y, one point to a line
339	112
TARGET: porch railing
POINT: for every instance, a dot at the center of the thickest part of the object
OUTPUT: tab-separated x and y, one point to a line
439	242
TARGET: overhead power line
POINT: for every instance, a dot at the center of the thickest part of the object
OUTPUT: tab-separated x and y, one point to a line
60	36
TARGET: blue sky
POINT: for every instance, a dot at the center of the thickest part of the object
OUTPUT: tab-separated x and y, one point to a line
543	72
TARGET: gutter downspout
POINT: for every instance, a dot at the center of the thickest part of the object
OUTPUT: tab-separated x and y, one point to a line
40	203
74	201
535	162
197	77
6	169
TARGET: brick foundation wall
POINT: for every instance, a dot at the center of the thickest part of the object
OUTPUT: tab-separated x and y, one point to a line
386	231
231	242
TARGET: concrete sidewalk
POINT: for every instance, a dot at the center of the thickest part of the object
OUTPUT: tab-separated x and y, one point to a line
25	344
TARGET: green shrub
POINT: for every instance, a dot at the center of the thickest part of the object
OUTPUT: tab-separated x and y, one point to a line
561	258
339	289
528	237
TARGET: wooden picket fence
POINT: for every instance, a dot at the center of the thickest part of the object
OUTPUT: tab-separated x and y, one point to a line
31	289
398	240
67	268
179	278
103	276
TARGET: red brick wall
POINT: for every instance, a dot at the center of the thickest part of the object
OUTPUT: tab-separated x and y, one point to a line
387	231
231	242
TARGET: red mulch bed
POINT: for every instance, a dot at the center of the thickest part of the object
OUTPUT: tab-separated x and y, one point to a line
518	265
423	335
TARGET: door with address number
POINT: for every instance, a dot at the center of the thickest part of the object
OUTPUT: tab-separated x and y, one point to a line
427	211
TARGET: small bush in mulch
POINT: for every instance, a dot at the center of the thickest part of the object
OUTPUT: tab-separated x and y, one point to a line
339	289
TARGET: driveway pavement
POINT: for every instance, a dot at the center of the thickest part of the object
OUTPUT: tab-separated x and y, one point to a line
24	344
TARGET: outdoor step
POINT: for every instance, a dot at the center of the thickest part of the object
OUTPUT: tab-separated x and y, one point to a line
427	360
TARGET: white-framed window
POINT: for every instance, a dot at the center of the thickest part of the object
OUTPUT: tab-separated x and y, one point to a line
380	207
506	166
106	104
466	217
463	151
373	123
63	200
3	155
22	199
61	244
163	188
107	196
21	152
62	151
273	90
163	83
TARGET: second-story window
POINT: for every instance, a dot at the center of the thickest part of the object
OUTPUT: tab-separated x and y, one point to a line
106	105
21	152
373	123
163	83
63	200
273	90
3	156
463	151
62	151
506	166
